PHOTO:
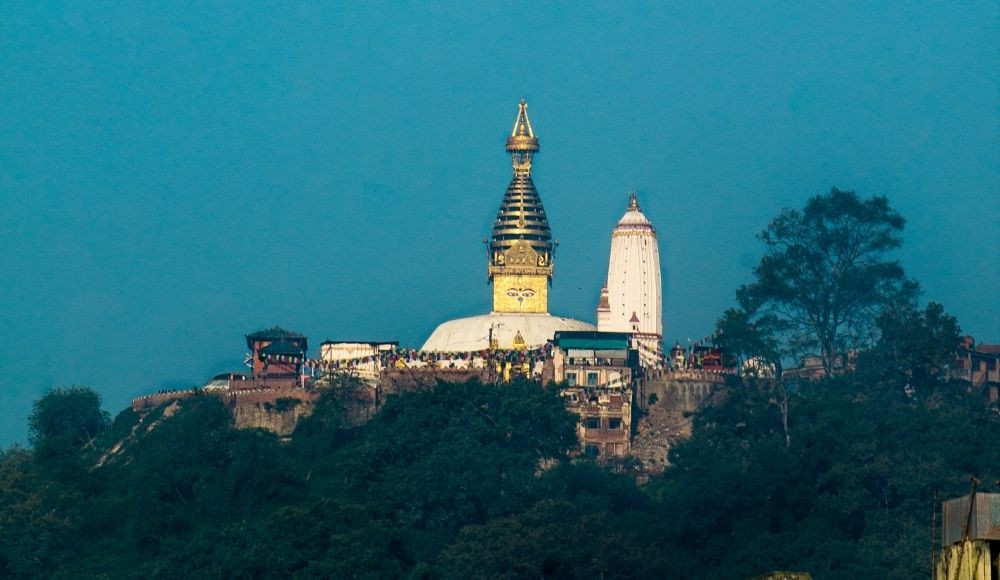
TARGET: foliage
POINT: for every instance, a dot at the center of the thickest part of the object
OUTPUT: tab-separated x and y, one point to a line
29	531
180	492
283	404
751	339
914	346
834	478
65	419
823	281
848	494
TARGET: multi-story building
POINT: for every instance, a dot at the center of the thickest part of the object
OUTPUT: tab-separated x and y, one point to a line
598	373
979	365
277	354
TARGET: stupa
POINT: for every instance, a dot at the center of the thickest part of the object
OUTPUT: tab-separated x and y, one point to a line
520	266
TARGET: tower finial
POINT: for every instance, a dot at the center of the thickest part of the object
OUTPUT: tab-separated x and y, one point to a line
522	142
633	202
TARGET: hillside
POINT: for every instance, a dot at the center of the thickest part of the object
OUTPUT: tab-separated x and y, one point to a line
474	481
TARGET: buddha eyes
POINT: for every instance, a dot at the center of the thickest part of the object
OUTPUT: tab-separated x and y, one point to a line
520	293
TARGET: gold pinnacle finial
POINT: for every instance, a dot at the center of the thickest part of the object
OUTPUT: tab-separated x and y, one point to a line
522	127
633	202
522	142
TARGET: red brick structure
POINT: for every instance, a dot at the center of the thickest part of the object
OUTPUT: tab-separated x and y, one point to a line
277	353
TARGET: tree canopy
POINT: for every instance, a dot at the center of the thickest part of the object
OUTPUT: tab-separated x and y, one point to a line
65	418
824	279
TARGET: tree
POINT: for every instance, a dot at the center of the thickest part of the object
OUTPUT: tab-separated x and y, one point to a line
446	483
849	497
751	341
590	524
65	419
825	277
915	347
29	529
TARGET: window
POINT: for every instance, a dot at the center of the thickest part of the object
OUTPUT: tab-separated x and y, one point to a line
592	450
571	379
591	379
592	422
614	423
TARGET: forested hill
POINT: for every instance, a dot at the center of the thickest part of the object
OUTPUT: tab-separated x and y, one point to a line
473	481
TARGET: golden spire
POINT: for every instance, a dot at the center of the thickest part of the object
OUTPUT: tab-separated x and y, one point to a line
522	142
521	248
633	202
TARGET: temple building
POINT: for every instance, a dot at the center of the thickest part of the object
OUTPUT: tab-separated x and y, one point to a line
520	266
277	354
632	299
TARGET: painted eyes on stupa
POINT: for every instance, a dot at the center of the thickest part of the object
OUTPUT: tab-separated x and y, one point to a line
520	293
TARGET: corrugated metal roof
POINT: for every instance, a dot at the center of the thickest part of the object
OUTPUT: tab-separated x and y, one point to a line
984	521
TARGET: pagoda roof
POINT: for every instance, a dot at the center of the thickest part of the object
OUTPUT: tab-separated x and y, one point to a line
283	346
275	333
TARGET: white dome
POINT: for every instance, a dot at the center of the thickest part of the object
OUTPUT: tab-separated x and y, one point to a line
634	217
469	334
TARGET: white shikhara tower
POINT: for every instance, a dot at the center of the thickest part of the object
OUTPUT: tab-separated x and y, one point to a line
632	300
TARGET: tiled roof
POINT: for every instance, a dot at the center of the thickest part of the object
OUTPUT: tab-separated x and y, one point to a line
284	347
273	333
276	333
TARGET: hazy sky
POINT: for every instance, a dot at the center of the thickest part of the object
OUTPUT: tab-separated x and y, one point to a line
174	176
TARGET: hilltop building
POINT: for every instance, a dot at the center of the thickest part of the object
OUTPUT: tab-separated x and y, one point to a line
520	266
600	371
632	299
979	365
273	396
277	354
629	399
364	356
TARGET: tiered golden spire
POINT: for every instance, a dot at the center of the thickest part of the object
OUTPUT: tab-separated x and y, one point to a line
521	248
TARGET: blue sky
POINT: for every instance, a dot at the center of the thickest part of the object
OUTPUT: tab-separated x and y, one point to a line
174	176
